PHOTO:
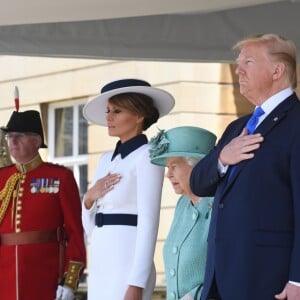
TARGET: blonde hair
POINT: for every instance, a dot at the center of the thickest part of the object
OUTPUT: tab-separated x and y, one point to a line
279	48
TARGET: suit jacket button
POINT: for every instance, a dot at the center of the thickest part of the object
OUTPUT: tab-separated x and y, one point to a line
221	205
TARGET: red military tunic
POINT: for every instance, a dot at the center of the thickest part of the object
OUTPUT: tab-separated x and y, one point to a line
44	198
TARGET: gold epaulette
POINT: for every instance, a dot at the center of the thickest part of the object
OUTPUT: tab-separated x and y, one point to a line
8	193
73	274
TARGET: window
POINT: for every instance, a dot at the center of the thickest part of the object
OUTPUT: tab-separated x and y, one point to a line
68	139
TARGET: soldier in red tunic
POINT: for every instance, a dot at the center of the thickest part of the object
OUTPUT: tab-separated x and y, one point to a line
42	251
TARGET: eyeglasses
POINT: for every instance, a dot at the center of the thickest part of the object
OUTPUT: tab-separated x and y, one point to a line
18	136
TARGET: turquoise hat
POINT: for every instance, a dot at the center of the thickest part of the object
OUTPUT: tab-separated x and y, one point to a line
184	141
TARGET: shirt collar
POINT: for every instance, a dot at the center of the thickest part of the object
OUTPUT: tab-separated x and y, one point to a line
275	100
129	146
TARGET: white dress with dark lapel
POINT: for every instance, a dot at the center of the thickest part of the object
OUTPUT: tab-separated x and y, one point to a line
121	255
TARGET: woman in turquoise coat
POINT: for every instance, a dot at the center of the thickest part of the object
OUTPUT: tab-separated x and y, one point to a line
184	252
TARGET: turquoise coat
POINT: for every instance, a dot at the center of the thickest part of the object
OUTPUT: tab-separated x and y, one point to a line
185	248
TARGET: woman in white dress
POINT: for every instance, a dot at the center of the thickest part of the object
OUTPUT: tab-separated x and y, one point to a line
121	209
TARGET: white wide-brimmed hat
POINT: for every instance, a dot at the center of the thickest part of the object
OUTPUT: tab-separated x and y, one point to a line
95	109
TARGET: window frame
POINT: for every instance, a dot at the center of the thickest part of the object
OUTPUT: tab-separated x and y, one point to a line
75	160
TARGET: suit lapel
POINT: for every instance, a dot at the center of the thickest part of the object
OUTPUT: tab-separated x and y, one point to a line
277	115
274	118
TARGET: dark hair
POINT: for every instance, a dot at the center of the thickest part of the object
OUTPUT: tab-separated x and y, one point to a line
138	103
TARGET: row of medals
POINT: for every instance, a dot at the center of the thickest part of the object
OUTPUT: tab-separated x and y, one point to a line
44	185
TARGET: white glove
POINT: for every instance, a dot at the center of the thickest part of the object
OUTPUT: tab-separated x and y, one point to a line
64	293
187	297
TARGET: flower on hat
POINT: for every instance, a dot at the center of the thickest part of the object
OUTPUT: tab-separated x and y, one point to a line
159	144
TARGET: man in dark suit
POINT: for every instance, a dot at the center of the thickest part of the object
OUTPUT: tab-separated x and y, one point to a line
254	238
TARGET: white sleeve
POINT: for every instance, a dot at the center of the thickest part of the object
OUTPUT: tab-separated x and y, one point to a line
222	169
88	218
294	283
88	215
